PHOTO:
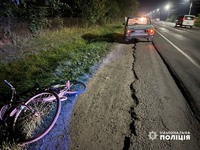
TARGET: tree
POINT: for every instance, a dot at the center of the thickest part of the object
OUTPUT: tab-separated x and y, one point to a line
128	7
100	10
7	11
197	21
35	12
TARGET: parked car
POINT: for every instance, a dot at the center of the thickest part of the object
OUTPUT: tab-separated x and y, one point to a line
138	27
185	20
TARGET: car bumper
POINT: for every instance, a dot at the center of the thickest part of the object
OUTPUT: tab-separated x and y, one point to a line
128	38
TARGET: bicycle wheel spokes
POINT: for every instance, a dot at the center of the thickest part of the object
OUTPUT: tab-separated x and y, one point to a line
37	117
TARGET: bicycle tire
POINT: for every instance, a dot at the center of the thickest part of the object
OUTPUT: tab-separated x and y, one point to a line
3	111
76	88
36	117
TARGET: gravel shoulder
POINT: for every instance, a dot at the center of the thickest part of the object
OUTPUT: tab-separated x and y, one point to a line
131	95
101	114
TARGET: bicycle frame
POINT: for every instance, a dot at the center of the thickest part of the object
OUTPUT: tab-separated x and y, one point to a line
62	96
63	93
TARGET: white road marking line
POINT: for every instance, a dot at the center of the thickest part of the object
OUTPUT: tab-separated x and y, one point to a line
187	56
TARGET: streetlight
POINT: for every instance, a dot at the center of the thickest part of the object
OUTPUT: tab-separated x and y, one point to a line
190	7
191	4
150	15
157	15
167	8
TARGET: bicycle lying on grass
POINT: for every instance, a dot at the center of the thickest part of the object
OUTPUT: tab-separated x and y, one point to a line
27	121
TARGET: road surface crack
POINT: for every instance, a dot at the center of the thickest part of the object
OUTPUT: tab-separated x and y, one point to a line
132	127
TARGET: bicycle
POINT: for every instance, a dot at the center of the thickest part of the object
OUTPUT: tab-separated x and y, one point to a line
29	121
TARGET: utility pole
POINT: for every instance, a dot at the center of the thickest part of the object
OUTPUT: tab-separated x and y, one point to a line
190	7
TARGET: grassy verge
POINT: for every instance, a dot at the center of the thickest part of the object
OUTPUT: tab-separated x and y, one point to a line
55	55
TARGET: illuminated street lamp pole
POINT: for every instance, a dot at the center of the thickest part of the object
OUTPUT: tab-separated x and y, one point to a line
167	7
158	12
153	14
190	7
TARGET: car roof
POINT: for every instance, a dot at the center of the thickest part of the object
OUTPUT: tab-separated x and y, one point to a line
137	16
187	15
190	15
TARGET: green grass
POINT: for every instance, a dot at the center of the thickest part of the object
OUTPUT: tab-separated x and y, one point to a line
56	55
7	145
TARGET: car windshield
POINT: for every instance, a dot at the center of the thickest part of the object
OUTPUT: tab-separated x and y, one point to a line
138	20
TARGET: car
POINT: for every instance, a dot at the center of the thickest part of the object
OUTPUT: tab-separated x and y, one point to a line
185	20
138	27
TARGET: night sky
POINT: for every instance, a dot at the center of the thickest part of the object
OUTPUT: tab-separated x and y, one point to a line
182	5
149	5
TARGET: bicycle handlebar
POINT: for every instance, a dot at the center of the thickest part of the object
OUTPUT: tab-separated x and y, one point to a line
12	88
8	83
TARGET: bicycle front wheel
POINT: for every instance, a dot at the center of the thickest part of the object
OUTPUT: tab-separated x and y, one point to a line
36	117
69	88
77	86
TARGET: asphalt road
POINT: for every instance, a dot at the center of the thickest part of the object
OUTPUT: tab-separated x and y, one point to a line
180	49
131	96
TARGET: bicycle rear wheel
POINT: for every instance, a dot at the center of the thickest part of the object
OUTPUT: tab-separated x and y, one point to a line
36	117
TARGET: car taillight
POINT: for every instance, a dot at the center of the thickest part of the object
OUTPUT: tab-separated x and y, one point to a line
150	31
183	19
129	31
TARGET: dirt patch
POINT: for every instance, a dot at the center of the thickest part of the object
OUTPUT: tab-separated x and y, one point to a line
102	114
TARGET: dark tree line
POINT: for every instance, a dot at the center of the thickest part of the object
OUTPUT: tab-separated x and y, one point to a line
37	12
